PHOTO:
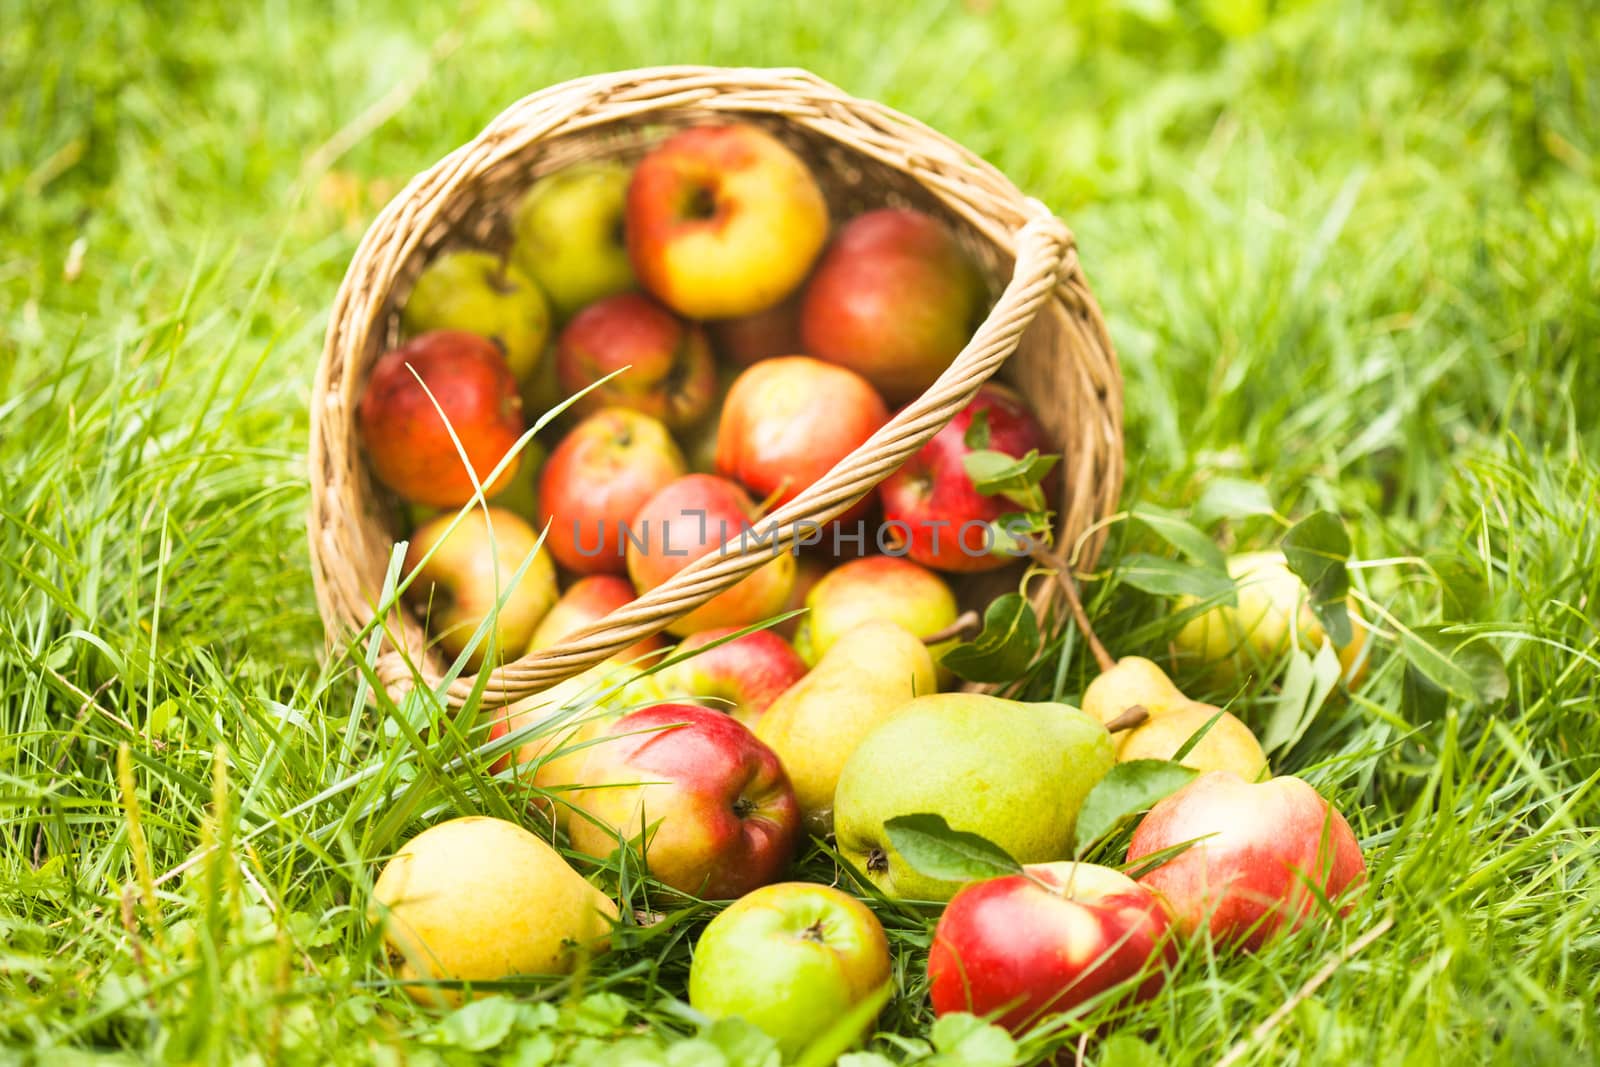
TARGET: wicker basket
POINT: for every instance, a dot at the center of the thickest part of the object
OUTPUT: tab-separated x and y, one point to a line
1045	334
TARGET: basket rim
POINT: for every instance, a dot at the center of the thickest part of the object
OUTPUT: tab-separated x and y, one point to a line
1046	268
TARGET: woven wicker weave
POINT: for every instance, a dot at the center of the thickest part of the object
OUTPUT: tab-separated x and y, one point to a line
1045	334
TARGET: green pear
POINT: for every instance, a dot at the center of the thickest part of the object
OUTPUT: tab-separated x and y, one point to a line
870	673
568	235
1011	772
1135	682
480	293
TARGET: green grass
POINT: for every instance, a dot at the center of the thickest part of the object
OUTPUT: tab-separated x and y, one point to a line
1352	256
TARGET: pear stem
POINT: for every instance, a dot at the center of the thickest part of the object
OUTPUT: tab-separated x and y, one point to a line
963	625
1064	579
1135	715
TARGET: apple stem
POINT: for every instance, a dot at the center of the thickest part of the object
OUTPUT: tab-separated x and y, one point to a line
1135	715
1069	587
771	500
963	625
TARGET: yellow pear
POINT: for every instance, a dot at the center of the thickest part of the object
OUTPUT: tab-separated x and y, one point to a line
1273	613
478	900
1137	682
577	711
868	674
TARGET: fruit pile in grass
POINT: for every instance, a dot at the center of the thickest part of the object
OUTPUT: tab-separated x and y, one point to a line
717	343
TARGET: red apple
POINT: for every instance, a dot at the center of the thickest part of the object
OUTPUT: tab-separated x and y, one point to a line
570	715
721	816
741	677
787	421
723	221
1267	855
600	474
587	601
666	364
471	570
747	340
693	517
410	446
931	505
894	298
1025	950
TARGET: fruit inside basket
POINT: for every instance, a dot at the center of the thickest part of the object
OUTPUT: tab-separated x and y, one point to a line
731	329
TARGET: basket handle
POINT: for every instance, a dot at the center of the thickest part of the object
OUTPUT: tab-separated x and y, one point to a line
1044	248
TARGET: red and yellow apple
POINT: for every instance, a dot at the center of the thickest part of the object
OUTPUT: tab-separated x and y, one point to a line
787	421
741	677
894	298
1266	856
665	364
723	221
473	568
408	442
874	589
792	959
587	601
1031	945
705	805
562	721
597	478
692	518
931	504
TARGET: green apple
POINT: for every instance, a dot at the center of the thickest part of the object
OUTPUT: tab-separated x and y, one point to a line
568	235
481	293
793	959
1011	772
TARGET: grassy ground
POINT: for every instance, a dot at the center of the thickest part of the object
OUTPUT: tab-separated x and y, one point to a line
1351	256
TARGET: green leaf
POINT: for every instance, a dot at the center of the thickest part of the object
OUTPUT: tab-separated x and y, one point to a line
1316	549
1169	577
965	1040
864	1059
1015	478
535	1051
477	1026
933	848
743	1043
1420	699
1198	736
1176	531
1460	665
1129	788
1231	498
1125	1050
977	436
1003	651
1307	683
1012	532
